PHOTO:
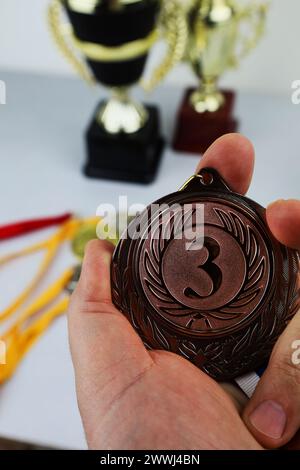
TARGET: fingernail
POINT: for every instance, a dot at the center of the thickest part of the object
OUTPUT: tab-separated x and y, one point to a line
278	204
269	418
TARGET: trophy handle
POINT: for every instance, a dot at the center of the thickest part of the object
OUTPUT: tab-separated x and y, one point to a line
173	21
255	16
62	34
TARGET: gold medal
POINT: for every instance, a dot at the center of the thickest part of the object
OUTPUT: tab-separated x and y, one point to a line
85	233
92	230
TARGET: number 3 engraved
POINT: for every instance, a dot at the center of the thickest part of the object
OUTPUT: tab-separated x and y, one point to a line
210	268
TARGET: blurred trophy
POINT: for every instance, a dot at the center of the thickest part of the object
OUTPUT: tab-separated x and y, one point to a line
114	37
221	33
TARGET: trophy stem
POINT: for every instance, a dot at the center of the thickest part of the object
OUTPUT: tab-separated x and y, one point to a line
207	97
121	114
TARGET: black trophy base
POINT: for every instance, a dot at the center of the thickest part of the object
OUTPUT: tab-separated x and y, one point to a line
126	157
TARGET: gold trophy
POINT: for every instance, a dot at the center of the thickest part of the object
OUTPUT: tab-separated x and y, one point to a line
114	38
221	34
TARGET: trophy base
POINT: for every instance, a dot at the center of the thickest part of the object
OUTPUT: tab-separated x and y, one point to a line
127	157
195	131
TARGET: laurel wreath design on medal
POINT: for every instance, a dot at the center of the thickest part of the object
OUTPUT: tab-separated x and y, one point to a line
211	356
264	333
169	307
233	354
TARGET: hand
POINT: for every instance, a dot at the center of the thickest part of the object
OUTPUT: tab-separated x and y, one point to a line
273	413
130	398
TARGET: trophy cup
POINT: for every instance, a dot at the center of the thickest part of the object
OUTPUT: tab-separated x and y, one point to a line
221	33
114	37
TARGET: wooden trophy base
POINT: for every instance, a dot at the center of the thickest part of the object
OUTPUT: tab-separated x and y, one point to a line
126	157
195	132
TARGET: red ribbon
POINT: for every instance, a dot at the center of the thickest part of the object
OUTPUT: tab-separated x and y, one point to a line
21	228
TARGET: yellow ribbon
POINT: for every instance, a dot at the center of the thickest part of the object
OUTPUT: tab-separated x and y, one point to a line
31	323
19	338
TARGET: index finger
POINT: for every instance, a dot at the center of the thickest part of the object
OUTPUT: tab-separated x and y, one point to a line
232	155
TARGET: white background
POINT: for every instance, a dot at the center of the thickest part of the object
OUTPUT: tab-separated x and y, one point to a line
41	142
25	44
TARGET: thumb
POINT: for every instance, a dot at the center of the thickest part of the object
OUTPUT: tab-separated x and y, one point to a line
284	221
273	413
107	353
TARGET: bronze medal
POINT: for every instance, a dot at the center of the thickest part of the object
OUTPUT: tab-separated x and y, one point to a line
222	304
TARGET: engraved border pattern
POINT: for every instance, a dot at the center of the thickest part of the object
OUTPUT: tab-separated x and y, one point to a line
246	238
233	355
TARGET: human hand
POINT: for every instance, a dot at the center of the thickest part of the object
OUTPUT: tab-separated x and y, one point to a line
131	398
273	413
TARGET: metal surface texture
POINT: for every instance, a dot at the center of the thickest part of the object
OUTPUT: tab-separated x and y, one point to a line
221	304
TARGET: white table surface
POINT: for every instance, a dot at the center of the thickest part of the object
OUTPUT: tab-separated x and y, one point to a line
41	155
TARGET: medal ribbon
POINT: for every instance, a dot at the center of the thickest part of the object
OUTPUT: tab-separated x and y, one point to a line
20	228
31	324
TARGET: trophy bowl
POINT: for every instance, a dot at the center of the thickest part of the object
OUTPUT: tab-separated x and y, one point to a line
111	26
218	41
114	38
221	34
